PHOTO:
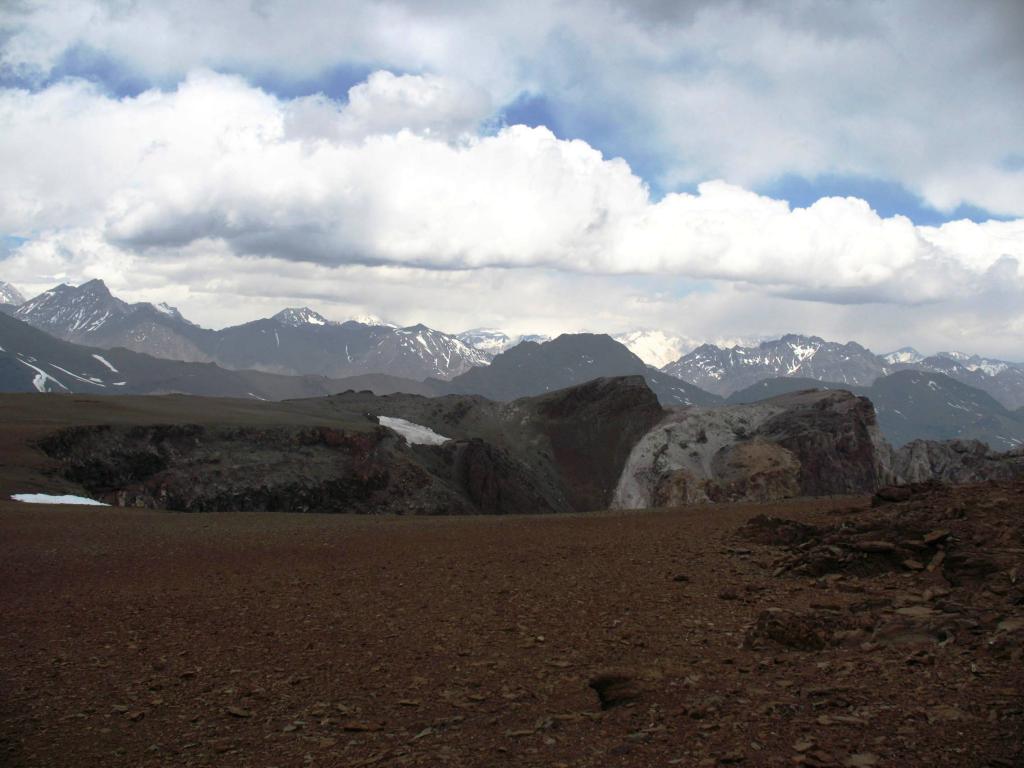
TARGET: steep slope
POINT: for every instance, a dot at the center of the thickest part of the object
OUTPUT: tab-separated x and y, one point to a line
9	295
724	371
915	405
920	404
532	369
33	361
1001	379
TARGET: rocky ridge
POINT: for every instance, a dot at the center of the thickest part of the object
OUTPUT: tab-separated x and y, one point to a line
808	443
559	452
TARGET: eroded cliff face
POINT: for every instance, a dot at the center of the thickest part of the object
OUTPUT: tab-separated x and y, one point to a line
322	469
804	444
560	452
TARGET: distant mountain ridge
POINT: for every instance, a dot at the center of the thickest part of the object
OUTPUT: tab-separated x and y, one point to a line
910	405
724	371
533	369
729	370
295	341
34	361
300	341
491	342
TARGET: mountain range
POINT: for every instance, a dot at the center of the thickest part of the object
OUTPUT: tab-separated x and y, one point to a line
728	370
33	361
295	341
298	352
490	342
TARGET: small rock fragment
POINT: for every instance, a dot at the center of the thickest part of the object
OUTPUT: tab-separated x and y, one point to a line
614	689
861	760
934	537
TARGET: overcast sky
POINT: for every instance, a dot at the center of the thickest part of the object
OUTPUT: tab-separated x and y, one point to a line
717	170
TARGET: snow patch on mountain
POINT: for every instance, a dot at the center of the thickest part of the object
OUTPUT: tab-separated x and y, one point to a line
904	355
41	381
299	316
655	348
10	295
106	363
415	434
491	342
46	498
372	320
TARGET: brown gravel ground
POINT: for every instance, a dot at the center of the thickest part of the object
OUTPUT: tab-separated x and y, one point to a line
137	638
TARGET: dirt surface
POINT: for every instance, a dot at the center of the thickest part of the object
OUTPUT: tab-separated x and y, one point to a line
135	638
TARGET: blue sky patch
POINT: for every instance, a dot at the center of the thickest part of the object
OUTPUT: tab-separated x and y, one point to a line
887	198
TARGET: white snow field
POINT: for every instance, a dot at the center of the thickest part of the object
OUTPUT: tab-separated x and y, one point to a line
45	498
415	434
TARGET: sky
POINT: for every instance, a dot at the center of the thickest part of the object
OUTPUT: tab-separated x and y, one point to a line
718	170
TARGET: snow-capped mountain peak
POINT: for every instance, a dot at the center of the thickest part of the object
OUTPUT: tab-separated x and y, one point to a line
655	348
905	355
372	320
447	354
299	316
724	371
10	295
490	342
983	365
71	310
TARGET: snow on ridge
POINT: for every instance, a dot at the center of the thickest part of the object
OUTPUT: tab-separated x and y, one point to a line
415	434
39	381
83	379
46	498
655	348
297	316
106	363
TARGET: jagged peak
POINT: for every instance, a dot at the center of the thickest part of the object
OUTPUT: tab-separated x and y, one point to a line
10	295
299	316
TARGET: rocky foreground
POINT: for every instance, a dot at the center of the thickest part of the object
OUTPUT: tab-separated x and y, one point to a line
604	443
845	632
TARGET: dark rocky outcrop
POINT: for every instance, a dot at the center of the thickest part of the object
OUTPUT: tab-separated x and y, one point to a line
834	437
591	430
556	453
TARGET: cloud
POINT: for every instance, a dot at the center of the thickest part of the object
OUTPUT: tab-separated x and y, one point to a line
215	287
399	175
406	200
920	93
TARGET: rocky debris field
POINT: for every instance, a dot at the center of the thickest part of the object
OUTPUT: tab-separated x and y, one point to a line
827	632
